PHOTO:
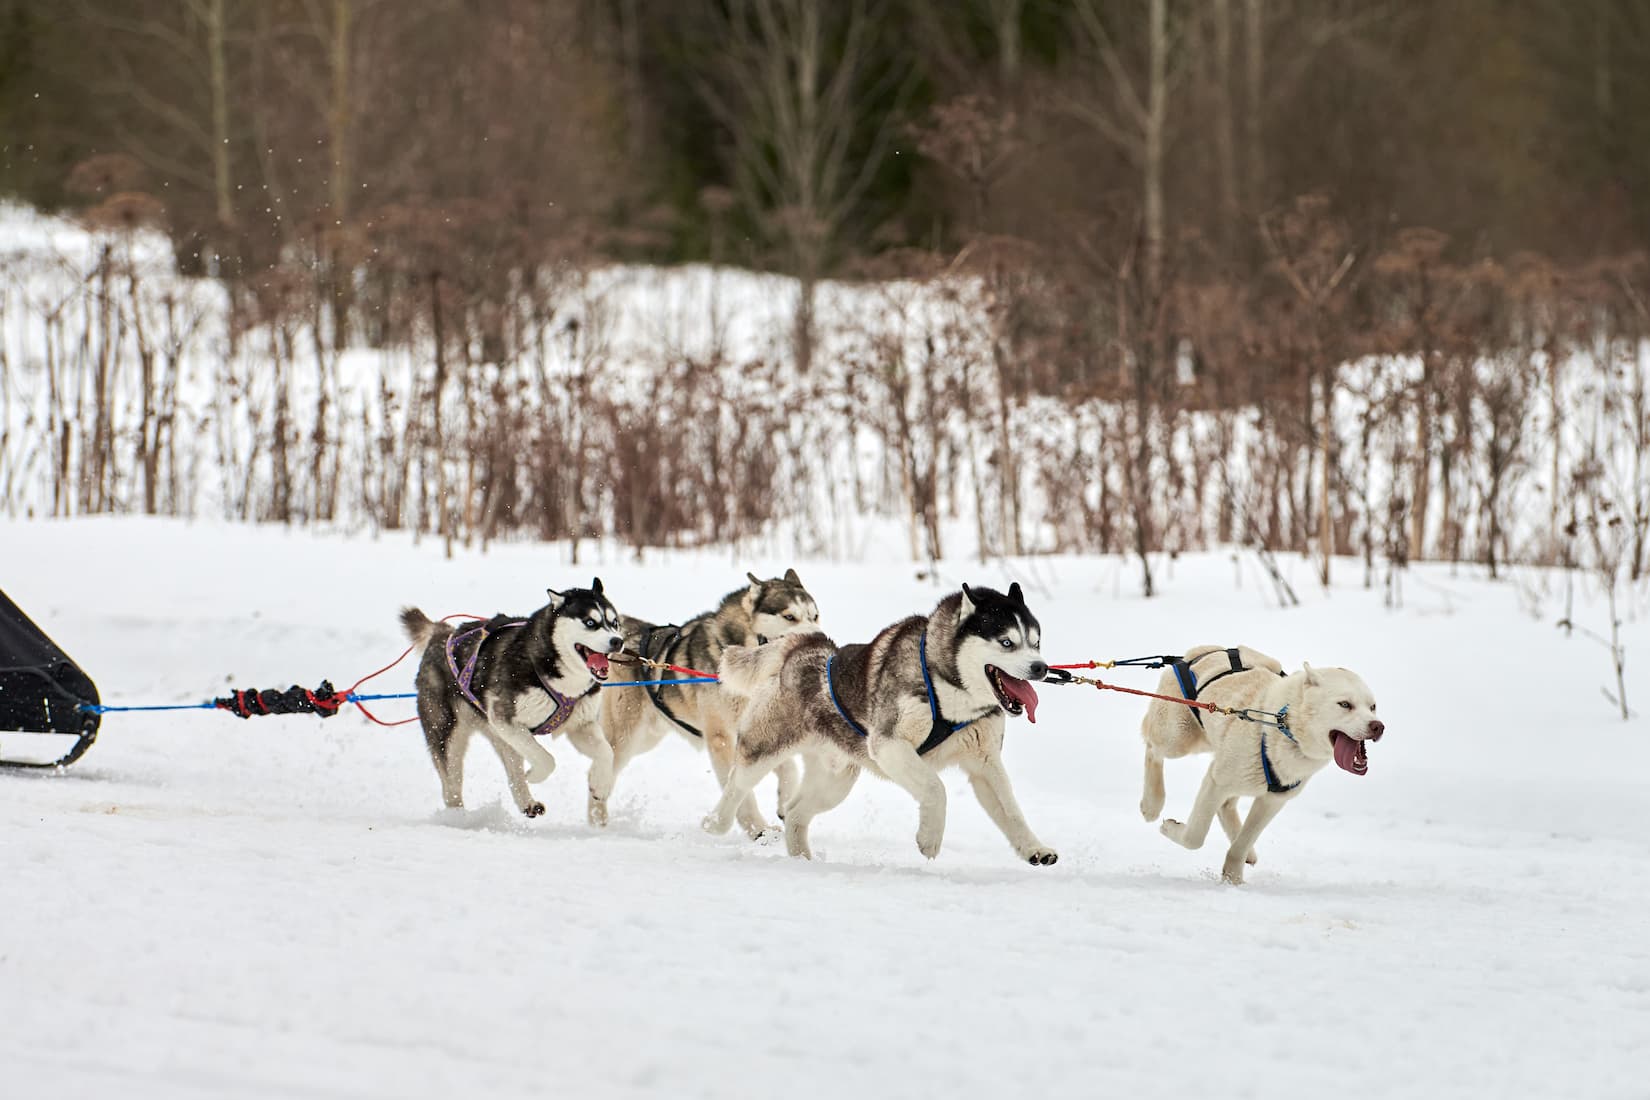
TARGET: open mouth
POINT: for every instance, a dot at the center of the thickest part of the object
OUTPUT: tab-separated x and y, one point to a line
1014	695
595	662
1350	752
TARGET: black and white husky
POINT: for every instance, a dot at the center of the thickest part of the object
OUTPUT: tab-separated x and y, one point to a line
926	693
512	681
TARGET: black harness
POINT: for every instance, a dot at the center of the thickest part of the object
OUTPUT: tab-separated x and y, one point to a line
656	691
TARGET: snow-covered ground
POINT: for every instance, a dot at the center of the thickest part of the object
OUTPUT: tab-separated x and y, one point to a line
209	907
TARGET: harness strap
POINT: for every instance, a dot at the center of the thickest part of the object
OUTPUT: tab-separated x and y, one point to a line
656	692
942	729
1189	686
830	684
453	641
1272	784
564	704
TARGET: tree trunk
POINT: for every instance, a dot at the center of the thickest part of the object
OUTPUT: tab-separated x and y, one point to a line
1254	57
1157	99
1326	529
1225	154
338	119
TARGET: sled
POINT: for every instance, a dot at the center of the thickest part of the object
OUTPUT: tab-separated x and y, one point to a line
42	697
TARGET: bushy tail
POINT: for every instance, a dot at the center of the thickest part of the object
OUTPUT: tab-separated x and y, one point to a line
744	668
419	626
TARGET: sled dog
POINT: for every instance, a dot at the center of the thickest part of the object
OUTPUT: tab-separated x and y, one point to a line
512	681
634	720
926	693
1326	714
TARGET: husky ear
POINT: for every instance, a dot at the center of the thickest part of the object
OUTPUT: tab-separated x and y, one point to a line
792	578
596	586
1311	676
965	606
1015	594
556	599
751	593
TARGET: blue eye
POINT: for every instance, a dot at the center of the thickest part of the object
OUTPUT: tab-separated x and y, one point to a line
590	624
1006	643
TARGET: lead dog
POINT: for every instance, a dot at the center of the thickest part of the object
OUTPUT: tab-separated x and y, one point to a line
924	694
511	681
635	719
1325	714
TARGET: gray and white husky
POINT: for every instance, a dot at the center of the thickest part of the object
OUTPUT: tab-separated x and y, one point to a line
1327	714
635	720
512	681
926	693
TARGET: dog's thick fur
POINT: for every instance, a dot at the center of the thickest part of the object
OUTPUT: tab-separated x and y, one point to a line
1326	706
973	637
631	724
565	642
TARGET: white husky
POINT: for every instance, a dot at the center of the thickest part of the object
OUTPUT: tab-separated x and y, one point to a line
1326	714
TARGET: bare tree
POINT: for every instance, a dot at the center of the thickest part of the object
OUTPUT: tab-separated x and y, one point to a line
794	90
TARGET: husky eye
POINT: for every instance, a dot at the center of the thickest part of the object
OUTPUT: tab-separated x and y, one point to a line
1345	705
788	617
1006	643
590	624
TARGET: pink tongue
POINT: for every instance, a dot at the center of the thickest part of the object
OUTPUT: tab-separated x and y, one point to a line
1349	753
596	662
1023	693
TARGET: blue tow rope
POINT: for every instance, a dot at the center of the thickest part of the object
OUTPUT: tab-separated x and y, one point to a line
352	697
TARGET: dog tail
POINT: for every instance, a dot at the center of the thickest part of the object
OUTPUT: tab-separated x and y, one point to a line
419	626
745	668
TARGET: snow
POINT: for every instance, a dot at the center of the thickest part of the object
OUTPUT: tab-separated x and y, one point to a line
272	908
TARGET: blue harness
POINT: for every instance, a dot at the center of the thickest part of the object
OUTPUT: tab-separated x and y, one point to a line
942	729
1189	687
1272	784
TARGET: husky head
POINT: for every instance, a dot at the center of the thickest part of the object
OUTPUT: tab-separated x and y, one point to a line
998	647
779	607
585	629
1333	714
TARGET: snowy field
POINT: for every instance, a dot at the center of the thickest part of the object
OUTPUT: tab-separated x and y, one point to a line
205	907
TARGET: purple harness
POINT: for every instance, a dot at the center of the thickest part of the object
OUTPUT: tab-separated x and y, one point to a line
564	703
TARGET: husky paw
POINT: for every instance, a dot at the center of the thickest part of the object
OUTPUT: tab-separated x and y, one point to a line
533	809
1232	876
1174	830
714	825
1040	857
1251	859
541	768
597	812
761	830
929	845
770	835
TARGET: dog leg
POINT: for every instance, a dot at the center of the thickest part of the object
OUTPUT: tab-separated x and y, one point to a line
899	761
1196	830
448	755
537	758
822	788
1151	798
735	790
989	779
719	743
588	740
525	802
1230	823
786	776
1261	812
